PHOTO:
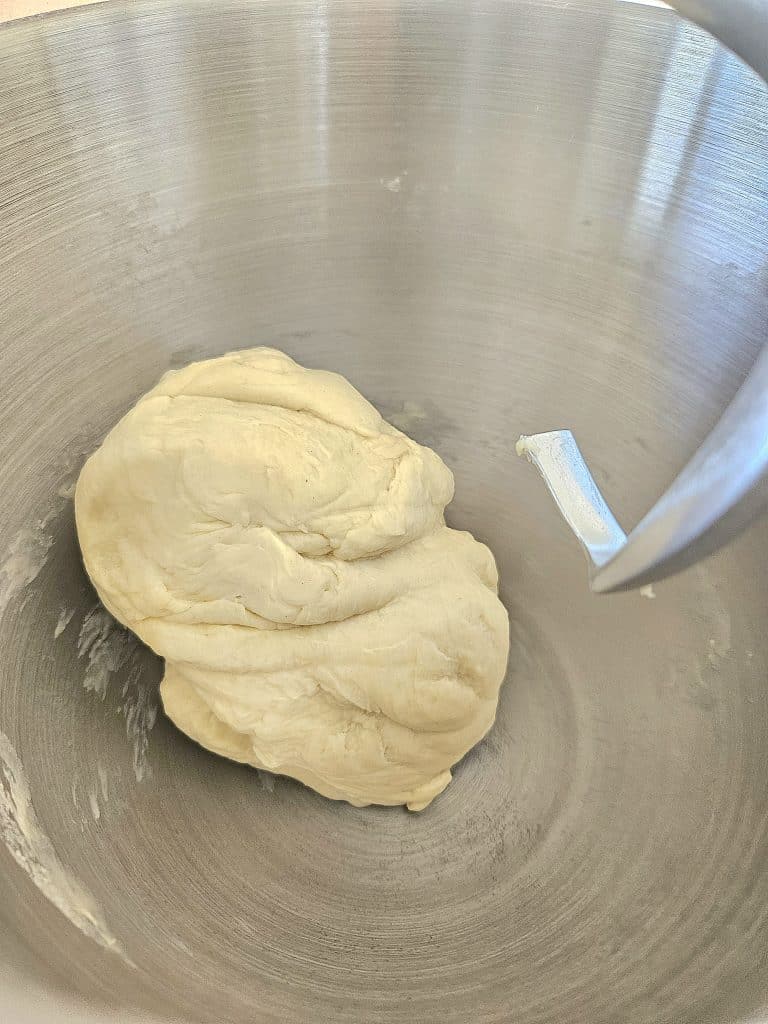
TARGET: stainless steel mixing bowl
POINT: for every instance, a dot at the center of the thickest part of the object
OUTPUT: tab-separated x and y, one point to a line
493	218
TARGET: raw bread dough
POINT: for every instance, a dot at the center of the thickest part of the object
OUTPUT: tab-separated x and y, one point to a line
284	549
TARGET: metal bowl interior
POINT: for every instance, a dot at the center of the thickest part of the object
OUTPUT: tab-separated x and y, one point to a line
493	218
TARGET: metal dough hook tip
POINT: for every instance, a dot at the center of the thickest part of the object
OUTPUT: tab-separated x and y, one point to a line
718	494
560	462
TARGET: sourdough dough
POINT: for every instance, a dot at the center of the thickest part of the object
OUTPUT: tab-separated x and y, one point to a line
284	549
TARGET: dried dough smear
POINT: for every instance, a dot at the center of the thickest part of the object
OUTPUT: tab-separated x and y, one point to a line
261	527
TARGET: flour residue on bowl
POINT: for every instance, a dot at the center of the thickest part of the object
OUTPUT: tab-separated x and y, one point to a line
28	551
24	559
408	417
103	781
108	649
93	801
64	619
33	851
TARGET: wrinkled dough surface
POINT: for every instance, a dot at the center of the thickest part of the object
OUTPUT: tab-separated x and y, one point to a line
261	527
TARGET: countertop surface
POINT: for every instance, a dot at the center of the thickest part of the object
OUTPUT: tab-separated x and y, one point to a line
11	9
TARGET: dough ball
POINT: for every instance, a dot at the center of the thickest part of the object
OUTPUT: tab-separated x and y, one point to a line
284	549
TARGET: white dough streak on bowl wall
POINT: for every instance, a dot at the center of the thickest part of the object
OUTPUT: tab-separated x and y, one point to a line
108	649
33	851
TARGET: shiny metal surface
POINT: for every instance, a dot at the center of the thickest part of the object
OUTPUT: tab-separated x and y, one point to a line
725	486
494	218
717	496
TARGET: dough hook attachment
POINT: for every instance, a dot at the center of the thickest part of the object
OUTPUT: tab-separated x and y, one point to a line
718	494
725	486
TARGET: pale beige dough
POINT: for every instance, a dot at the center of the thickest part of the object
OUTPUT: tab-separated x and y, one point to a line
284	549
